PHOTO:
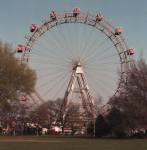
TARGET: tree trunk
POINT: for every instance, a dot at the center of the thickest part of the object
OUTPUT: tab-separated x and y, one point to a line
62	130
14	130
37	131
21	129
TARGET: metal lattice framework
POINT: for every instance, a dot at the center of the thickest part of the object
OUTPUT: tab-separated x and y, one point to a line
86	19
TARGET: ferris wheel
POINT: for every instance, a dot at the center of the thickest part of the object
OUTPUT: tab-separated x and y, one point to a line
75	52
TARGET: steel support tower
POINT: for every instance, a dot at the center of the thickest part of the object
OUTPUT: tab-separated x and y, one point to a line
87	99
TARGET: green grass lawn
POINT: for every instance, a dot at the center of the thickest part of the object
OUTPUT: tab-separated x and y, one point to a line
71	143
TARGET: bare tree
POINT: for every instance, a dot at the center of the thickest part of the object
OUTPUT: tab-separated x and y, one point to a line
133	100
69	116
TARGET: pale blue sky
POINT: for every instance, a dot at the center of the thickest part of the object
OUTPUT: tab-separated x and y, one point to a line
17	15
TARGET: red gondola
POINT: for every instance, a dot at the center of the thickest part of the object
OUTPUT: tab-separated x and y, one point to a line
131	51
99	17
24	97
19	48
76	11
134	75
32	27
118	31
53	14
129	97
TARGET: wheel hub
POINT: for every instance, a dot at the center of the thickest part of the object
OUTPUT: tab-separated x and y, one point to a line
76	63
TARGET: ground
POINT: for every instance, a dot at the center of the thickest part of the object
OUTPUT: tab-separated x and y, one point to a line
8	142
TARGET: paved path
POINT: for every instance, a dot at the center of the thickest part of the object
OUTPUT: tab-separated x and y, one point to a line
9	140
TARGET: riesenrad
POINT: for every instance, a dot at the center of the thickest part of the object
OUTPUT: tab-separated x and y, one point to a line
77	53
